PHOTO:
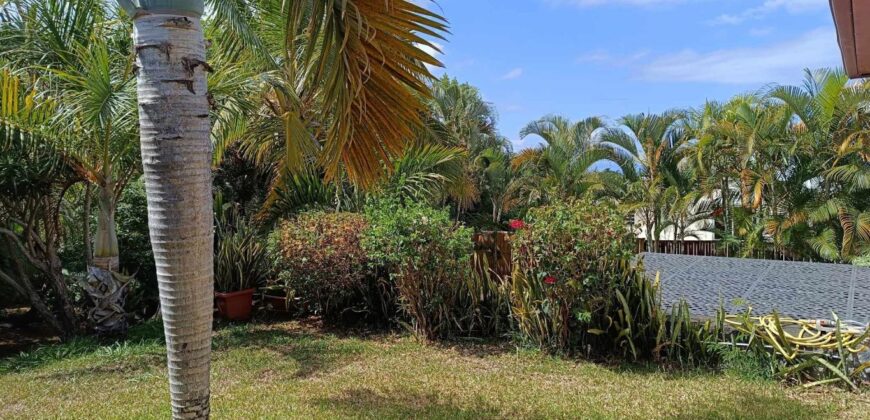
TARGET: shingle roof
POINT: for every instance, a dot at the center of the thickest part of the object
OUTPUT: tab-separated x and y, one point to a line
795	289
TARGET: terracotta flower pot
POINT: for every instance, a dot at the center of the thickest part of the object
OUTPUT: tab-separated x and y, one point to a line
235	306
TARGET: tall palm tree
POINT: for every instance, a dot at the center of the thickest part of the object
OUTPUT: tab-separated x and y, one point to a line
459	117
78	55
176	160
359	65
561	164
647	146
830	173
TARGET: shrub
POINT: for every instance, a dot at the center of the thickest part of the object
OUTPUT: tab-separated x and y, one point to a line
862	261
427	258
569	258
319	256
576	285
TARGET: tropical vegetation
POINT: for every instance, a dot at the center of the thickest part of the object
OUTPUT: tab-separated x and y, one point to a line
307	146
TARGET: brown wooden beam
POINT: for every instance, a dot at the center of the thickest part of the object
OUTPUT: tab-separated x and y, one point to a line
852	19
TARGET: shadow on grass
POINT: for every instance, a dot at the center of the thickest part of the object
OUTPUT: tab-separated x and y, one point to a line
476	347
365	403
145	339
748	405
313	351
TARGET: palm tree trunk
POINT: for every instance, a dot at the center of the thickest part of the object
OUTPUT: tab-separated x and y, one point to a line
106	288
86	226
176	159
106	238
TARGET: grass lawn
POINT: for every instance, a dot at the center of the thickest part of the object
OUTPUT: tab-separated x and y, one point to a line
280	369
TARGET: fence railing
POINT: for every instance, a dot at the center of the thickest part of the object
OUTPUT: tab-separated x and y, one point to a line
715	248
710	248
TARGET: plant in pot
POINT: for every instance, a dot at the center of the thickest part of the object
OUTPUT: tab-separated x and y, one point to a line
278	295
241	265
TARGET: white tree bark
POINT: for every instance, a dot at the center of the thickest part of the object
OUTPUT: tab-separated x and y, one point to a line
106	254
176	158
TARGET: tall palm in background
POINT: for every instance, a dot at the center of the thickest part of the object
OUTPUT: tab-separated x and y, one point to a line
649	148
357	75
562	164
77	51
832	211
458	117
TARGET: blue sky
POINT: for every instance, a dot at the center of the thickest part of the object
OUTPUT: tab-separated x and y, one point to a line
608	58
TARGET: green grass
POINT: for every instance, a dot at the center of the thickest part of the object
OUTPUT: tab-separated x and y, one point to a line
282	369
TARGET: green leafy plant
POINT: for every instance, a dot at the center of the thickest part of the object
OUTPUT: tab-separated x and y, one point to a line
576	286
862	261
241	260
569	257
427	258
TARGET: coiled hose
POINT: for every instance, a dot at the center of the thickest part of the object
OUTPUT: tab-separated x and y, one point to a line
790	337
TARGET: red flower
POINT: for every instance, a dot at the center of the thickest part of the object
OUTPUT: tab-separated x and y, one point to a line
516	224
550	280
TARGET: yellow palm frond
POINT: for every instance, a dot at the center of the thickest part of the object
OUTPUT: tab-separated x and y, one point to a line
365	60
525	156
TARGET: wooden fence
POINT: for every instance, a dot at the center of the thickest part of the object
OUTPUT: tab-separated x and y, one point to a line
683	247
714	248
493	252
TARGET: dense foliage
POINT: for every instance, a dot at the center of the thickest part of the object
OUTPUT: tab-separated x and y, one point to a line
570	257
318	256
427	258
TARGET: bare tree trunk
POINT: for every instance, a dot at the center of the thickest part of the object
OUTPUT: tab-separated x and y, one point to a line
176	158
106	288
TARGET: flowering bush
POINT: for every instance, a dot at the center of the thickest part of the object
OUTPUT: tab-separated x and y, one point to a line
516	224
319	256
568	259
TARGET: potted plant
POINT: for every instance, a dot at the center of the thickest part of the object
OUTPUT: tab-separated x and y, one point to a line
277	297
240	266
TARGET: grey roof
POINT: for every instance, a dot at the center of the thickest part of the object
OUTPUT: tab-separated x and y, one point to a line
795	289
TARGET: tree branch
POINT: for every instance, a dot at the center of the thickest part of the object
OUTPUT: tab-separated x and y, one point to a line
13	284
36	263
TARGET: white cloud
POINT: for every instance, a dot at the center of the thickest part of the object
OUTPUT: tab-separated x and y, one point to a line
607	58
597	56
513	74
780	62
759	32
768	7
